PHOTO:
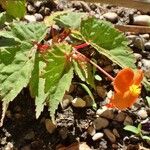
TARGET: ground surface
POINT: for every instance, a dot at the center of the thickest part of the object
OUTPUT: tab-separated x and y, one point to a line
22	131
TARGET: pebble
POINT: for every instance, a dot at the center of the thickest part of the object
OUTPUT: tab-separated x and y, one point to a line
111	16
85	7
120	117
115	132
50	126
109	114
63	132
139	43
78	102
145	36
110	135
88	100
38	17
9	146
138	56
143	20
101	91
31	9
91	130
38	4
128	121
66	101
30	18
29	135
100	123
142	113
97	136
101	110
147	46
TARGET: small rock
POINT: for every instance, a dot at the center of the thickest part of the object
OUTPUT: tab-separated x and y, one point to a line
145	36
38	17
66	101
100	123
30	18
85	7
47	11
9	146
101	110
38	4
139	43
3	141
50	126
115	132
101	91
142	113
29	135
147	46
138	56
31	9
146	64
91	130
110	135
131	38
88	100
97	136
111	16
78	102
120	117
109	114
143	20
128	121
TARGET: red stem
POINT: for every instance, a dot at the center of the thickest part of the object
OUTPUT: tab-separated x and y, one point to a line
93	63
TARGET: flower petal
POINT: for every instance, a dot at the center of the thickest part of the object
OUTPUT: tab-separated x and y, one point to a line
138	77
123	80
123	101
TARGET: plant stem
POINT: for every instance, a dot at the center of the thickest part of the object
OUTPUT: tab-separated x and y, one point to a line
81	46
90	61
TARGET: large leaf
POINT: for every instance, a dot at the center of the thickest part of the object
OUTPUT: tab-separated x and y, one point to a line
55	64
16	8
107	41
62	86
37	85
71	19
17	61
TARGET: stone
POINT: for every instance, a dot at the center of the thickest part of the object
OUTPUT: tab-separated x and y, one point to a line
66	101
101	110
115	132
38	4
145	36
91	130
101	91
97	136
9	146
111	16
109	114
138	56
30	18
143	20
139	43
30	135
47	11
88	100
63	132
50	126
38	17
147	46
31	9
142	114
110	135
128	121
100	123
120	117
78	102
85	7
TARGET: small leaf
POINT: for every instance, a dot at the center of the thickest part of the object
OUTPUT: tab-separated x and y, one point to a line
132	129
62	86
71	19
16	9
148	100
146	137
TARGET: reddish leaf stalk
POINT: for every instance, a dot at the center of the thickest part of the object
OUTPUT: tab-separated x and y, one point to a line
90	61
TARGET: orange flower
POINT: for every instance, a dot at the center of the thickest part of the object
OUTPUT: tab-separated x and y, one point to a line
127	86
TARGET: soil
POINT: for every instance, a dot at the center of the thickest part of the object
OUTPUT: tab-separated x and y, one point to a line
22	131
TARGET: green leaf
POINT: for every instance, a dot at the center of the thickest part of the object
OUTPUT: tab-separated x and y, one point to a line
132	129
62	86
55	64
84	72
98	77
146	137
107	41
148	100
16	8
37	85
17	62
71	19
86	88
